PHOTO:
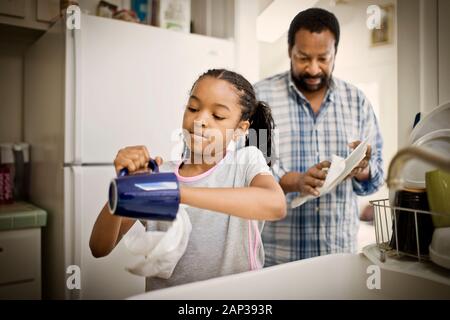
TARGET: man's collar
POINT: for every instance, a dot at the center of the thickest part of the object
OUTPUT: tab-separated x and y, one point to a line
331	90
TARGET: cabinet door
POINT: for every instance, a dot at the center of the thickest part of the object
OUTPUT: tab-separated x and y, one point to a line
20	261
47	10
14	8
21	290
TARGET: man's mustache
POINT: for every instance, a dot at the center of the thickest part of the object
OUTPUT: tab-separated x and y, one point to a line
308	76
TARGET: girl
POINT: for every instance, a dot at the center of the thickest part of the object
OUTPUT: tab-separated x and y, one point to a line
225	193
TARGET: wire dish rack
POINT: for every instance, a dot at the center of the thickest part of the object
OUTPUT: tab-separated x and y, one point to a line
402	231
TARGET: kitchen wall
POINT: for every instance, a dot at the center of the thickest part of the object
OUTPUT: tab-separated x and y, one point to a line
372	69
11	93
443	20
21	23
424	67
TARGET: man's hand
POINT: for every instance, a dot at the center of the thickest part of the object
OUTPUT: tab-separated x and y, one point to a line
309	181
361	172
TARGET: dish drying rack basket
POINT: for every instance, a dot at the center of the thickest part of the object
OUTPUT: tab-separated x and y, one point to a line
386	229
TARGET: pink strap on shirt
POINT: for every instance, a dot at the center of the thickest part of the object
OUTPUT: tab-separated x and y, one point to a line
254	245
194	178
200	176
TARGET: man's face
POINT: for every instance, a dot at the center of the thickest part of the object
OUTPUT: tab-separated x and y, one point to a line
312	59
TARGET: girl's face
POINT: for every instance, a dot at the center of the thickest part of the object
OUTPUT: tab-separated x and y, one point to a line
212	117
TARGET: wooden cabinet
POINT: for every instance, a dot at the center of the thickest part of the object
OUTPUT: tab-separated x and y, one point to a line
15	8
33	14
47	10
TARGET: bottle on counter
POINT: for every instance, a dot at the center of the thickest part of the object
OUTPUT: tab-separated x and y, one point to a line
6	173
21	171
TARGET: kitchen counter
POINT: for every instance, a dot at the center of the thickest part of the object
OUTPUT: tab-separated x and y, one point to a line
21	215
336	276
20	250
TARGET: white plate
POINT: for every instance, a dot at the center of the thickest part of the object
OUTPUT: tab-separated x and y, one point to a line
414	171
340	168
437	119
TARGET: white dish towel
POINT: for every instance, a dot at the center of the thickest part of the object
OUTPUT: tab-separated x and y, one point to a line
160	250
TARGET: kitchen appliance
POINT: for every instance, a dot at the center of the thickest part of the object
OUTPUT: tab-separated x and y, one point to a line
89	92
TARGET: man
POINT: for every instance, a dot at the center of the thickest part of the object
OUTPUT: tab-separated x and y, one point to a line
318	115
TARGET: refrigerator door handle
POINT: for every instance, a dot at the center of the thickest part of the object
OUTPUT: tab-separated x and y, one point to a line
74	95
78	95
77	205
73	224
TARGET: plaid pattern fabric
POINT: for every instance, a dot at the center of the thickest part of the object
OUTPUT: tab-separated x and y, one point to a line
328	224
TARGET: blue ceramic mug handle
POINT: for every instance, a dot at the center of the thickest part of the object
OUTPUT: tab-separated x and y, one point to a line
151	164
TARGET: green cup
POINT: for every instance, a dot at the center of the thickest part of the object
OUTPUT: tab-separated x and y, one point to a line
438	192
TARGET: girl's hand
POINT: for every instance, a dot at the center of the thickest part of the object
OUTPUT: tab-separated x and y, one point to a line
135	159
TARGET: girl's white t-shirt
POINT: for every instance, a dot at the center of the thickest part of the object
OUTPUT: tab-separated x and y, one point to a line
219	244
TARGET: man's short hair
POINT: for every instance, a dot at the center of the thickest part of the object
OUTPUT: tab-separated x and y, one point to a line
314	20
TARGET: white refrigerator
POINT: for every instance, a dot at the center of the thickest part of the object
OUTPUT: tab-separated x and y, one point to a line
88	93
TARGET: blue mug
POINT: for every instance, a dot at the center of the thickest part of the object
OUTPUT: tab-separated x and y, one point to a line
150	196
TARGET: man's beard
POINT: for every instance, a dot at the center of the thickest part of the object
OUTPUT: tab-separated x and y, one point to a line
302	85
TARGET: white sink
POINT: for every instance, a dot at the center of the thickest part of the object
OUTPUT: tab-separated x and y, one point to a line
337	276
